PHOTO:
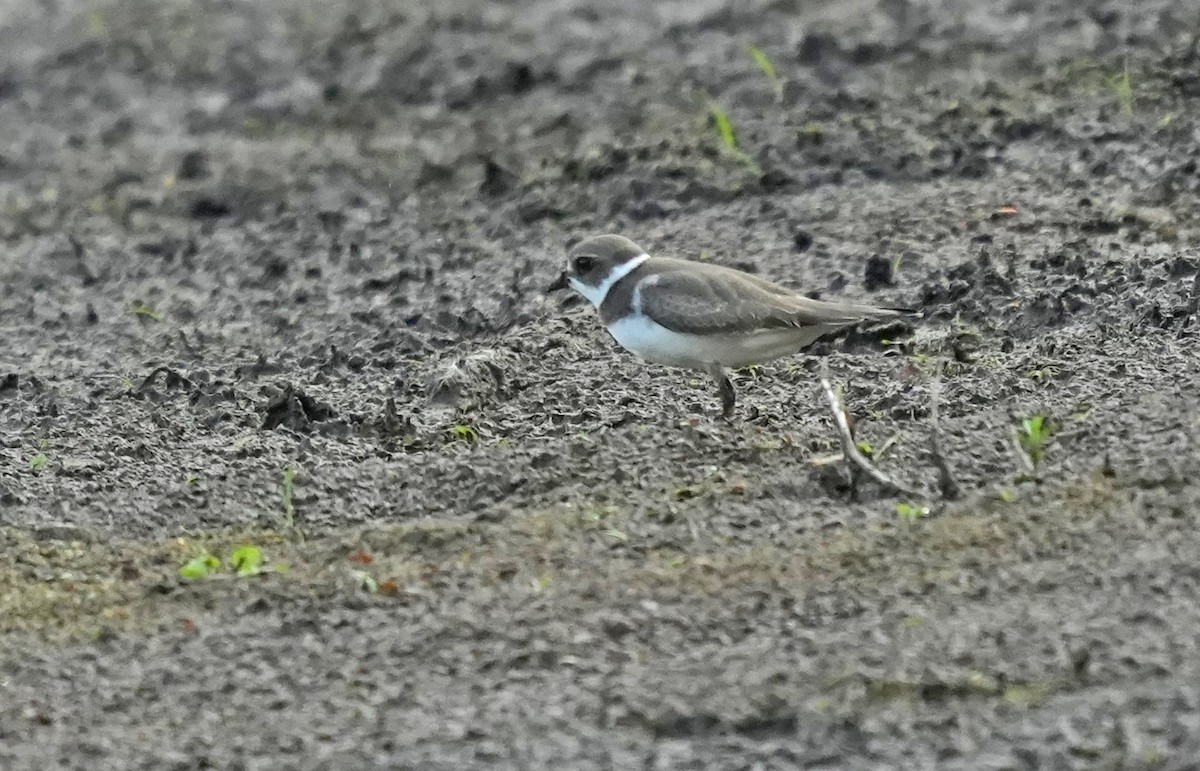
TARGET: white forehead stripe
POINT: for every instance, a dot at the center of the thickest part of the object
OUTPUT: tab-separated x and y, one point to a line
596	294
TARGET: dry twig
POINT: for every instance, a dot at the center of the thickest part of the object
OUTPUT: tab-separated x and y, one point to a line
1022	455
850	449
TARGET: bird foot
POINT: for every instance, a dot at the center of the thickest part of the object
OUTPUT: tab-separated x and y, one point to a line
728	399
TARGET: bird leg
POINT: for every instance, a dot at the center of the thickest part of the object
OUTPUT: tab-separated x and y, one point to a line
728	395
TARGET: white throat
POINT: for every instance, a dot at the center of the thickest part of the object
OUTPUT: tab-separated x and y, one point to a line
596	294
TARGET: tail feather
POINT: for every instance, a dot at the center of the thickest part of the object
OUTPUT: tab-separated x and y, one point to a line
856	314
911	313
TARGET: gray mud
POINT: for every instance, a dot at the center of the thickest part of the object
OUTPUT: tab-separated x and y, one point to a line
242	238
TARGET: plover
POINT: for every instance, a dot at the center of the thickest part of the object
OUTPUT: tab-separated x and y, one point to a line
698	315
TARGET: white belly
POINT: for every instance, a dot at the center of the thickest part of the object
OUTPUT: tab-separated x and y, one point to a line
653	342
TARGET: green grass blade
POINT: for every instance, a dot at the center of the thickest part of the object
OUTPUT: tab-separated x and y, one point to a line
768	69
725	131
724	127
1122	86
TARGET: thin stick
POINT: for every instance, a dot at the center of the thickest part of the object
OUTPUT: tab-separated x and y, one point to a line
1022	456
891	442
850	449
946	482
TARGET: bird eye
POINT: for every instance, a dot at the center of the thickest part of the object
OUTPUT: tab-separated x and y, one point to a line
584	263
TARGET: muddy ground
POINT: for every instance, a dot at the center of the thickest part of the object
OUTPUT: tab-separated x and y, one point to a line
271	276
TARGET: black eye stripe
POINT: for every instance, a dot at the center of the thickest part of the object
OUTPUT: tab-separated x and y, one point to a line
584	262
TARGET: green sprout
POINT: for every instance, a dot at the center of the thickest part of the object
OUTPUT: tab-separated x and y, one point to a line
200	567
1122	86
144	311
246	560
910	512
1042	374
1034	436
724	127
38	462
289	490
729	138
768	69
464	433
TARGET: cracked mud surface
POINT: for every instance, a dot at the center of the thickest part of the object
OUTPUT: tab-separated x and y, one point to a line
237	239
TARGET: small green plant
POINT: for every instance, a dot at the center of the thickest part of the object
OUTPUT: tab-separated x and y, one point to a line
201	566
464	433
724	126
910	512
1122	86
144	311
1042	374
768	69
289	491
38	461
1034	437
246	560
725	131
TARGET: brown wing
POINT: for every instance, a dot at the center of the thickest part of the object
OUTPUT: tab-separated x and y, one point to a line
714	300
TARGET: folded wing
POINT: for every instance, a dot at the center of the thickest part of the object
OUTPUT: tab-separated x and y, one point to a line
726	301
